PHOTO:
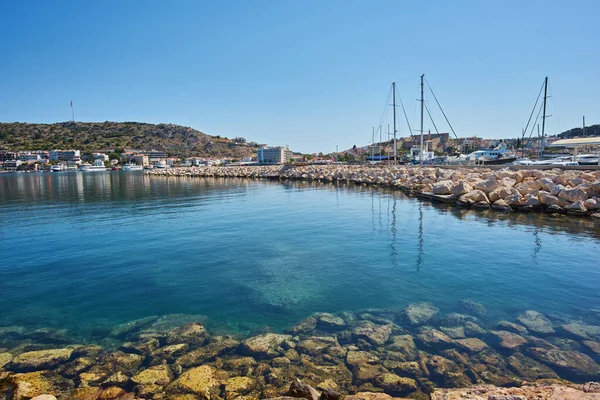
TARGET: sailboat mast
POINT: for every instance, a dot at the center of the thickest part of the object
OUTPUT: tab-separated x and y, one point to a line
394	105
422	106
373	145
380	146
544	118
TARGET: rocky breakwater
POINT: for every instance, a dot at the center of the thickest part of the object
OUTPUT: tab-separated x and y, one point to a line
418	352
555	191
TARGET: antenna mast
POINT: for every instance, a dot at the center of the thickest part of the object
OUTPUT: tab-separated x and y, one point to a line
422	106
544	118
394	105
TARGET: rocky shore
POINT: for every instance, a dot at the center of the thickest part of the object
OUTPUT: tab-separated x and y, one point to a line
554	191
417	352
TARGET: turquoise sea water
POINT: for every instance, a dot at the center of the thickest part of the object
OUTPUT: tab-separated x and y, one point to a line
85	252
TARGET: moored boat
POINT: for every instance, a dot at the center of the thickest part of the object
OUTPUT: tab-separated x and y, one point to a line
97	167
132	167
59	167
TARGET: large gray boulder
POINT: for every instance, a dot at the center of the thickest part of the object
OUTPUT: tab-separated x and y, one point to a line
536	322
419	313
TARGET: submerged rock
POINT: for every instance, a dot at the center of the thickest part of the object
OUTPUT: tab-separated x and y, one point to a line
40	359
118	379
123	361
200	381
32	384
455	332
302	390
472	307
529	368
238	386
372	333
264	346
158	375
395	385
473	330
360	357
419	313
207	353
456	319
5	358
570	364
305	326
403	348
536	322
580	331
472	345
330	322
330	394
508	340
194	334
511	327
316	345
434	339
446	372
369	396
131	326
142	347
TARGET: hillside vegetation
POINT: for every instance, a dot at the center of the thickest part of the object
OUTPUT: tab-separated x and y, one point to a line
593	130
178	141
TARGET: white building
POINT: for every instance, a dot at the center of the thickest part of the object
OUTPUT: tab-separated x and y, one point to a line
273	155
29	157
100	156
64	155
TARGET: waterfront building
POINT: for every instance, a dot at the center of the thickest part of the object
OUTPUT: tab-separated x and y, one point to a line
155	154
12	165
64	155
273	155
139	159
27	156
7	155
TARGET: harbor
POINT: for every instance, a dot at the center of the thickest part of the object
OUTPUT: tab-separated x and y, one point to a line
174	317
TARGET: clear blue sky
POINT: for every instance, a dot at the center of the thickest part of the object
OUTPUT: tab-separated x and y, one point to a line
310	74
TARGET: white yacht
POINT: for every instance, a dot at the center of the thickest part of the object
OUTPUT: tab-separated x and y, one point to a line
132	167
98	166
59	167
588	159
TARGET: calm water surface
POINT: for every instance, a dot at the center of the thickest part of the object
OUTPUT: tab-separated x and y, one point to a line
88	251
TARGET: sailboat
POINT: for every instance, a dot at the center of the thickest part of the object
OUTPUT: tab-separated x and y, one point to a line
541	138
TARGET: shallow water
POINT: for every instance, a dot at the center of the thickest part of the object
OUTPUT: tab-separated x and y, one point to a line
86	252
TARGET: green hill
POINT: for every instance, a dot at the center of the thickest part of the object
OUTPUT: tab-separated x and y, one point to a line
592	130
178	141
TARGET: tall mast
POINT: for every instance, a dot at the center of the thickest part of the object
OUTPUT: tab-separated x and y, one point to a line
373	145
394	105
544	118
422	106
584	125
380	147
